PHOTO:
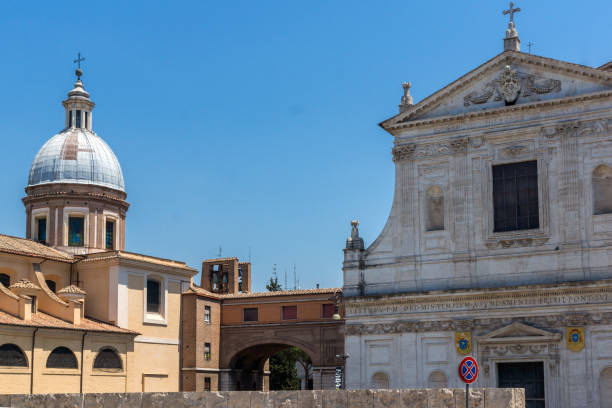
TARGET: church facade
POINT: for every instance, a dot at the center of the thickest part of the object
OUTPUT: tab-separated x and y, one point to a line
499	240
79	313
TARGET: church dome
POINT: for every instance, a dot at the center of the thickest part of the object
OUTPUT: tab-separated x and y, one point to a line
76	155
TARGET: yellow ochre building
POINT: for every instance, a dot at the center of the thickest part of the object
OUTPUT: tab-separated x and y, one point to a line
77	312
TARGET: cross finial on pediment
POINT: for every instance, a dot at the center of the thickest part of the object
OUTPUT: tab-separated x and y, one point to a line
511	11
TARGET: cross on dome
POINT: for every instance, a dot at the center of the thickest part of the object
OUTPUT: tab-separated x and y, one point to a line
79	71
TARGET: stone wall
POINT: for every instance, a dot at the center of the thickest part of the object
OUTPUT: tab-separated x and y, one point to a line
415	398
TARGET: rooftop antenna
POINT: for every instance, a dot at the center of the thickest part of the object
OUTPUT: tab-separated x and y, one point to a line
529	44
285	278
274	271
295	284
220	252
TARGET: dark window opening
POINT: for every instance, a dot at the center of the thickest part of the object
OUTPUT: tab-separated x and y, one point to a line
51	285
78	118
250	314
69	119
33	306
515	196
289	312
206	383
328	310
62	357
239	278
41	225
108	358
153	296
110	233
75	231
12	356
524	375
206	351
86	120
206	314
5	280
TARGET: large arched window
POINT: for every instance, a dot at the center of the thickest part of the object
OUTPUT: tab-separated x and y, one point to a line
605	388
435	209
12	356
380	381
107	359
5	279
62	357
602	190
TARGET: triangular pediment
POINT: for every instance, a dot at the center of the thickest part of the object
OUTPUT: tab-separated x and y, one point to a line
519	333
529	79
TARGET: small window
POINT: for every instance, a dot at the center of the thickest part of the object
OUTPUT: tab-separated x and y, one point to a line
69	119
515	196
328	311
5	280
41	225
78	118
435	209
602	190
250	314
110	233
206	314
206	383
289	312
12	356
33	306
75	231
62	357
153	296
380	381
206	351
108	359
86	120
51	285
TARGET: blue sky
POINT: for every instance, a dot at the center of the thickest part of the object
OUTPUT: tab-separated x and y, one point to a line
253	125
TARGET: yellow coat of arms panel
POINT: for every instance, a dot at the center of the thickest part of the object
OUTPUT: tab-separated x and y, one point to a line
463	342
575	338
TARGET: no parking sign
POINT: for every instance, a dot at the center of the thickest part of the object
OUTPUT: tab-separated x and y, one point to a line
468	372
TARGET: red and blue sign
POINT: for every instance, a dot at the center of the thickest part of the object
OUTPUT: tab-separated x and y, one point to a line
468	370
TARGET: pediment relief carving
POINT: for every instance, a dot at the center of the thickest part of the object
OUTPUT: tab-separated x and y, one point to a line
519	333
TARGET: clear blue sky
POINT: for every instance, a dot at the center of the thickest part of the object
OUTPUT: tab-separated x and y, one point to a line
254	123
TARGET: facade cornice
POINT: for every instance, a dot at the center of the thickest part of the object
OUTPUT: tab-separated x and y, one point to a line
116	260
507	57
496	112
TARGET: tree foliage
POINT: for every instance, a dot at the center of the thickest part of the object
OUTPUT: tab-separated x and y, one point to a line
273	285
283	372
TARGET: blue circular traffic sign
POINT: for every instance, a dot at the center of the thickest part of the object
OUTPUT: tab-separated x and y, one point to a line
468	370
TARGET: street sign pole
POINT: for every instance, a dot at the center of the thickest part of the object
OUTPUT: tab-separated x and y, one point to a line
468	373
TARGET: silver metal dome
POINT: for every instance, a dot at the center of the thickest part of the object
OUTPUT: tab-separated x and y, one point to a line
76	155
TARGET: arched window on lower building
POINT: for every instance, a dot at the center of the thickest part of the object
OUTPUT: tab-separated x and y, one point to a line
605	388
435	209
62	357
108	359
5	280
602	190
380	381
12	356
437	379
51	285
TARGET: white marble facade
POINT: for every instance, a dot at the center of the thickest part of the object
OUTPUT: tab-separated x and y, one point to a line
438	267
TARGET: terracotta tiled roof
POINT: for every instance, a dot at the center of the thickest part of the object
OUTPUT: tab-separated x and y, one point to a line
26	247
102	256
72	289
23	284
40	319
320	291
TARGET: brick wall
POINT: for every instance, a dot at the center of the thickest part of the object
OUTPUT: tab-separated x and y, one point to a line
442	397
